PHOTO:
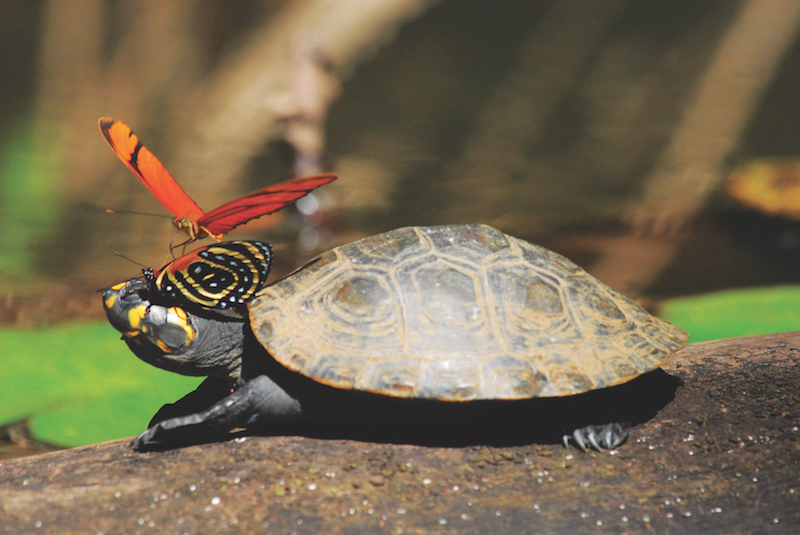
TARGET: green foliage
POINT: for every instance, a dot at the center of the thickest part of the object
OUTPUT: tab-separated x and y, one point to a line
80	384
731	313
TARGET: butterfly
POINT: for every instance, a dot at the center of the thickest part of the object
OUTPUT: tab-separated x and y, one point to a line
220	277
189	217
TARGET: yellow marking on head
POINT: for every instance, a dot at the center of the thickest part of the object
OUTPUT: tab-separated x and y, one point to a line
118	286
111	300
181	313
182	321
136	315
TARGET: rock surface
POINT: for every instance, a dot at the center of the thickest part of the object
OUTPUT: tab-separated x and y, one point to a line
722	457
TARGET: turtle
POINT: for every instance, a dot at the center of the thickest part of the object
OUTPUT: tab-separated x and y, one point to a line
446	316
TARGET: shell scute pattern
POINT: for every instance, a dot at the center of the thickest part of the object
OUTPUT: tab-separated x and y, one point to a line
359	311
621	367
640	351
307	275
525	300
593	302
536	325
395	248
396	376
568	380
618	369
456	379
469	244
656	331
456	313
300	361
451	296
513	378
337	304
477	238
338	370
357	298
445	309
537	256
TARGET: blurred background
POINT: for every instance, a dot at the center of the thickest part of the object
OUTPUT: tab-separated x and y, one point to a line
654	143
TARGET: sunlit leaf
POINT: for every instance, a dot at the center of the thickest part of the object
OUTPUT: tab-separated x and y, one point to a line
80	384
731	313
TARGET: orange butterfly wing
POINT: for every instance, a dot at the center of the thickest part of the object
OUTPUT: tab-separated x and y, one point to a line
260	202
188	216
150	171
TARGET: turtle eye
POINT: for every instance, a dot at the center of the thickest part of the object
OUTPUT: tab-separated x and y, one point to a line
216	277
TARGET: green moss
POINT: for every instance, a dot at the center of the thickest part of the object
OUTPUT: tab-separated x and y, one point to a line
731	313
80	384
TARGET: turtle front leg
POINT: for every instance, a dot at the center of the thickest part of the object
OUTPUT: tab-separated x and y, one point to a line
599	437
211	390
259	399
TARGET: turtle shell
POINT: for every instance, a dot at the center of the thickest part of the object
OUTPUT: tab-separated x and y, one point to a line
456	313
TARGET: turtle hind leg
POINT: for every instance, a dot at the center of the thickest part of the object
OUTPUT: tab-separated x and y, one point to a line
259	399
599	437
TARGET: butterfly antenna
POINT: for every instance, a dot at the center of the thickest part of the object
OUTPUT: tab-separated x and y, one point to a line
129	259
110	211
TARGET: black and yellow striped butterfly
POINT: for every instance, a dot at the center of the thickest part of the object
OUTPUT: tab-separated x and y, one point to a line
222	276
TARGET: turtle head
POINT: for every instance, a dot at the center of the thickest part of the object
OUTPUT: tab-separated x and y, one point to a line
172	338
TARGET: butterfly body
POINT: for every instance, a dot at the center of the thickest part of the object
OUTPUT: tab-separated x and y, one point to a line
191	226
189	217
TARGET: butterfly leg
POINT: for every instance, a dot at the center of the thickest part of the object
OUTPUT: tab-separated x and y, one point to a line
183	244
217	237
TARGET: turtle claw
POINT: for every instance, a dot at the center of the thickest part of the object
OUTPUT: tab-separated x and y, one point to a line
167	430
148	436
598	437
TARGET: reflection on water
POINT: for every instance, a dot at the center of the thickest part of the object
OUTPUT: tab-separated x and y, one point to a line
29	202
474	112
